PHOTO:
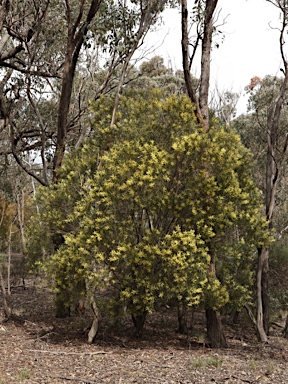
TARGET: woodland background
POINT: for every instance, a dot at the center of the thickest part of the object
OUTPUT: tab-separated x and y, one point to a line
128	187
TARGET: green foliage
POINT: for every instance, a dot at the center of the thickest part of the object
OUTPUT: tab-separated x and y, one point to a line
278	275
253	130
146	205
258	136
154	67
119	23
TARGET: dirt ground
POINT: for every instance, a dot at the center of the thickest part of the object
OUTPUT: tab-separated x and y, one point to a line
35	347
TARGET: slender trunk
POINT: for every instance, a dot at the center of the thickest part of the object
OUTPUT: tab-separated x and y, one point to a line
285	331
262	336
235	317
201	107
96	319
186	66
215	331
6	296
64	104
120	85
75	39
62	297
21	221
272	179
265	292
6	301
182	317
62	305
139	321
205	60
9	260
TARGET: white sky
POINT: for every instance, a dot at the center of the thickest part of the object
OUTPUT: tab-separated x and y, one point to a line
250	47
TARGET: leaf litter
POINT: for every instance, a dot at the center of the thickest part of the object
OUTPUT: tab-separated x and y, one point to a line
35	347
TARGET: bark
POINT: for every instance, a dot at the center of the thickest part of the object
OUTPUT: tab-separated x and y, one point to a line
5	293
139	321
262	336
285	331
6	298
265	292
62	309
235	317
215	332
21	221
182	317
96	319
205	60
75	40
9	259
186	66
201	105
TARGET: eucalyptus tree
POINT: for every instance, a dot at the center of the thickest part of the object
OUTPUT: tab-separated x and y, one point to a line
38	60
223	105
45	47
264	131
276	151
203	20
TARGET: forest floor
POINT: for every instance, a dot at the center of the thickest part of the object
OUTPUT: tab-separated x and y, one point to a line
35	347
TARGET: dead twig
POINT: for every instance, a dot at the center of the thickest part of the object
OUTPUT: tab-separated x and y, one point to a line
67	353
78	379
244	380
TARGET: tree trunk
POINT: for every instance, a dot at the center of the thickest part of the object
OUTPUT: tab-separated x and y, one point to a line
205	60
262	257
6	297
285	331
96	319
235	317
186	67
182	317
201	106
9	257
64	103
265	293
215	332
21	221
62	299
139	321
62	308
75	40
274	161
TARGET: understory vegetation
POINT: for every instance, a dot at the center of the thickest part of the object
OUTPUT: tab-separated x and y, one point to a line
168	212
131	187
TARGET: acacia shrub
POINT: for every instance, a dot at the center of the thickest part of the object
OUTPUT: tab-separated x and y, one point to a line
146	203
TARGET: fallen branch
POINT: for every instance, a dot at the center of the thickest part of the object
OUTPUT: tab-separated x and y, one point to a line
277	324
244	380
82	380
67	353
